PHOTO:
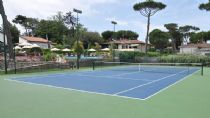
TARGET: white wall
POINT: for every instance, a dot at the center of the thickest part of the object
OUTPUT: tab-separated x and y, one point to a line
190	50
2	38
22	40
42	45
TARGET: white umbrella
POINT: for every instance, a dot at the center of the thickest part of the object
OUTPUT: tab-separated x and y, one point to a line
106	49
91	50
35	46
17	48
66	50
55	49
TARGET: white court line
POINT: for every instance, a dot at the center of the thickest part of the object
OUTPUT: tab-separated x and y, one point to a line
83	91
148	83
127	73
170	85
114	77
51	75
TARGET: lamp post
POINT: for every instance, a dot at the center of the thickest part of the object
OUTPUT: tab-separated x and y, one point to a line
113	38
4	43
77	36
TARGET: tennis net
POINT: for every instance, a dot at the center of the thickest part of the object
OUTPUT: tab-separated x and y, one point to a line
171	68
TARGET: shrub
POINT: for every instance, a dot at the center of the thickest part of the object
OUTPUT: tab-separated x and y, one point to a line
130	56
49	56
184	58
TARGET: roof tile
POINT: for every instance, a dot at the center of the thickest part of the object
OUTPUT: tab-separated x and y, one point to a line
35	39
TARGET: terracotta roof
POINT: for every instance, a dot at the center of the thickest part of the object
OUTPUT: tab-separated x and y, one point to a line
35	39
124	41
205	45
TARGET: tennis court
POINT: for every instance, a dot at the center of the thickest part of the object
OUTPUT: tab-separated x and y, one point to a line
127	80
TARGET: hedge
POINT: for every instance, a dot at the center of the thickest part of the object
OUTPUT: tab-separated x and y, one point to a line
184	58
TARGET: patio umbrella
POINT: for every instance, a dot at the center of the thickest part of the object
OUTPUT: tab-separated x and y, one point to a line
91	50
55	49
106	49
66	50
17	48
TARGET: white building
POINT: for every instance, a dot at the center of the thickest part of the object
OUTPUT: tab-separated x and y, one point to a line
2	37
129	45
43	43
201	49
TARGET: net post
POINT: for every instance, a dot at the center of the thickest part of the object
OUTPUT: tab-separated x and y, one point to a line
188	67
202	66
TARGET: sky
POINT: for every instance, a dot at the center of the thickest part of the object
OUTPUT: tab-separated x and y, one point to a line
98	14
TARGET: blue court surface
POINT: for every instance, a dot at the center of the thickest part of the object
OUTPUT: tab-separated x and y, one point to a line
128	84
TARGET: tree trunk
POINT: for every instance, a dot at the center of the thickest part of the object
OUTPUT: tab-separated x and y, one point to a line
7	30
147	36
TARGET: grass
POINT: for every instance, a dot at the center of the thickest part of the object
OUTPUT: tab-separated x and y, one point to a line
188	99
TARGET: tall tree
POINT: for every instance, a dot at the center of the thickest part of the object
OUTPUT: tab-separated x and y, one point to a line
32	23
148	9
90	38
186	32
54	29
176	37
58	17
6	29
70	22
122	34
28	23
205	6
196	38
79	49
15	33
127	34
22	20
159	39
107	35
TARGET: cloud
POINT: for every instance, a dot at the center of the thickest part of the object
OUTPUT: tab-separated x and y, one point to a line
46	8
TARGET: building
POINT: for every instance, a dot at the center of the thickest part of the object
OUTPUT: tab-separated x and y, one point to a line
201	49
43	43
2	42
2	37
129	45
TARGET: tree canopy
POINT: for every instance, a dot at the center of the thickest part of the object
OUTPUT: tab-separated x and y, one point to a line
15	33
205	6
79	49
127	34
159	39
107	35
186	32
200	37
148	8
28	23
90	38
122	34
55	30
175	35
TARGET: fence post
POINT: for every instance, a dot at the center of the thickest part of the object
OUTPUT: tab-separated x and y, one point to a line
93	65
202	66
